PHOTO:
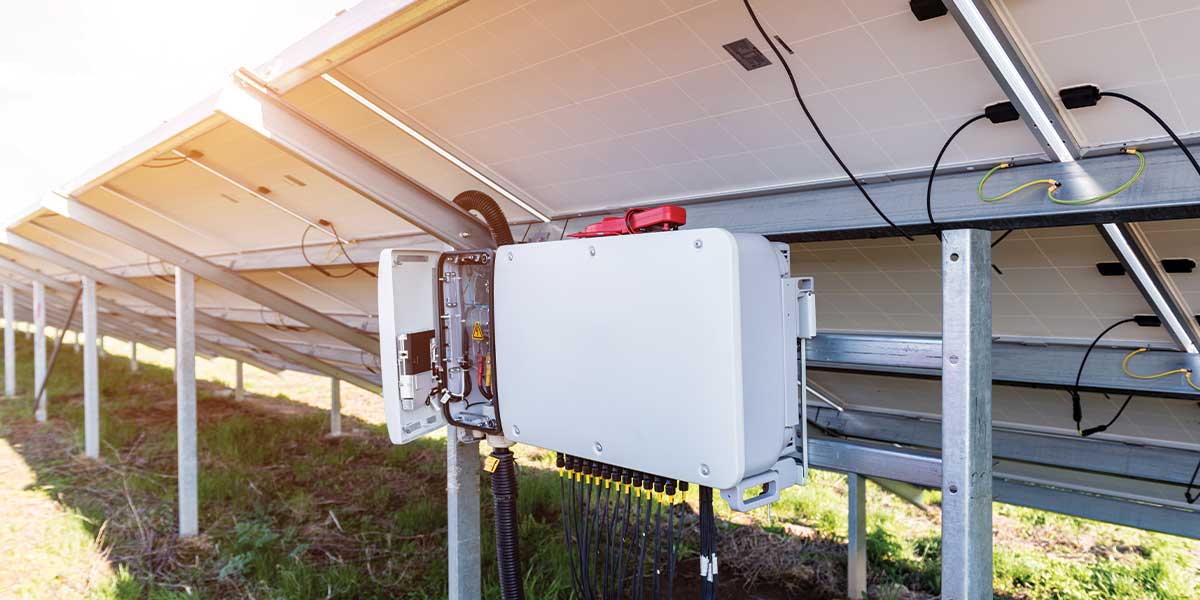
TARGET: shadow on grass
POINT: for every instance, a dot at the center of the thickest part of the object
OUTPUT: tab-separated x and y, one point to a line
286	511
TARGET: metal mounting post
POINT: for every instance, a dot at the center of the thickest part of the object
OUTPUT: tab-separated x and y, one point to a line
966	415
133	361
462	505
335	407
856	546
91	374
239	388
10	344
39	350
185	398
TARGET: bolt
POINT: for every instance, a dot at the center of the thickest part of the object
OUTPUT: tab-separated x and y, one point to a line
704	470
953	489
464	234
953	257
516	430
597	447
510	256
592	250
697	244
953	359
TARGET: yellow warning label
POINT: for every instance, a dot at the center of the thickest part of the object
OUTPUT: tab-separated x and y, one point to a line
477	332
490	463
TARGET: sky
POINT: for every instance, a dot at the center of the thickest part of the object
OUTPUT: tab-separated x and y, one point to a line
79	79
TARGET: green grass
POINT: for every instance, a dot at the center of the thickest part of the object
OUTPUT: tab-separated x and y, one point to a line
289	513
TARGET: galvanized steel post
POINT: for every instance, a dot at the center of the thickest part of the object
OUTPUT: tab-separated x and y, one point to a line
185	398
966	415
10	344
239	389
91	374
335	406
39	350
462	505
856	561
133	361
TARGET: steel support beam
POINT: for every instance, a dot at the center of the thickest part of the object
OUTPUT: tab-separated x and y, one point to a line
839	212
39	351
1033	363
10	343
158	247
34	249
151	329
462	504
999	51
185	398
91	373
1121	459
856	538
924	469
249	102
1144	267
966	415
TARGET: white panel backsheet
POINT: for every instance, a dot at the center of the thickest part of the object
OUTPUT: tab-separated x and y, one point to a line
1145	49
597	104
1050	287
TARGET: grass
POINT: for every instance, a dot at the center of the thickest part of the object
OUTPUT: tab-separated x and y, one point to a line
287	512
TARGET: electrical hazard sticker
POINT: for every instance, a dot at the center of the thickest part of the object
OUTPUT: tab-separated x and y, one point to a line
490	463
477	332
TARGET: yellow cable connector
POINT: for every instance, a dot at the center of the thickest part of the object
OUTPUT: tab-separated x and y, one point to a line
1050	182
1125	367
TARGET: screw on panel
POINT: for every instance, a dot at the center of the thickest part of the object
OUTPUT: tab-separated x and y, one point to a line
510	256
516	430
592	250
704	470
953	359
697	244
597	447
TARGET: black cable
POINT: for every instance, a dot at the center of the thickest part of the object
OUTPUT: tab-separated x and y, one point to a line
671	548
1102	428
354	266
621	551
1161	123
643	524
504	502
933	172
657	543
998	240
1188	493
708	550
562	486
1076	404
817	128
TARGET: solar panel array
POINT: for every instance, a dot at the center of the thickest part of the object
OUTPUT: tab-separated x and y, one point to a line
588	106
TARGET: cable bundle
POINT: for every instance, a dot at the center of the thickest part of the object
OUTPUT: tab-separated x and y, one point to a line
620	528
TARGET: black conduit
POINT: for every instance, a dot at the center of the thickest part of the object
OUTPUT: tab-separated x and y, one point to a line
475	200
504	499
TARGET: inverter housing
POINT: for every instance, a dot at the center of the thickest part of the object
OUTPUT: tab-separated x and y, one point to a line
671	353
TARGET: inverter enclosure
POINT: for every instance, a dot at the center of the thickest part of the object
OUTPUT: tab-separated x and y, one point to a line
669	353
406	320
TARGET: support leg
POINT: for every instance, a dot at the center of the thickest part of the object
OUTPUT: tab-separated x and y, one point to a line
91	375
462	491
335	407
39	349
856	565
10	344
239	388
185	397
966	415
133	361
